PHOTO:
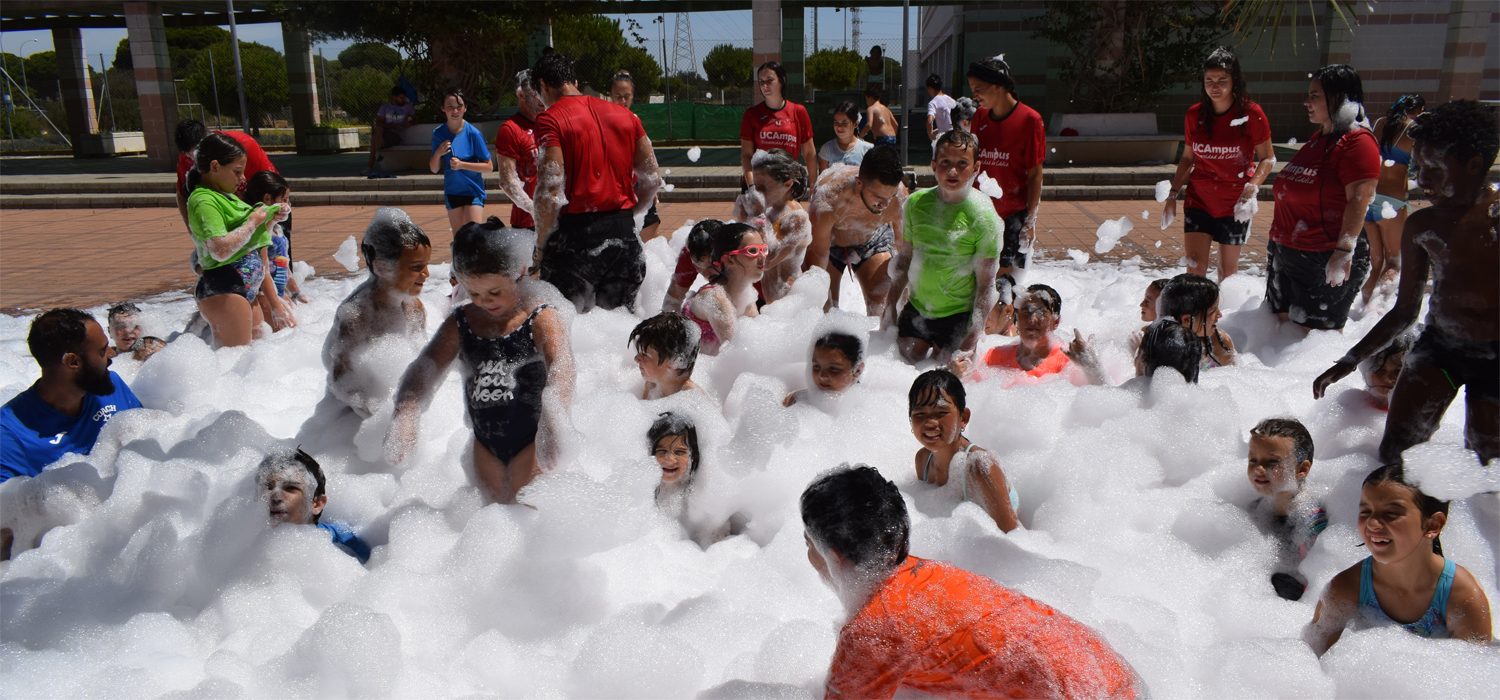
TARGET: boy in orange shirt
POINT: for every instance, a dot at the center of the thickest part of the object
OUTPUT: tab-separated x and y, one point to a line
932	627
1038	313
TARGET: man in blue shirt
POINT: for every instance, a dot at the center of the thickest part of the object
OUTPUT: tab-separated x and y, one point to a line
65	409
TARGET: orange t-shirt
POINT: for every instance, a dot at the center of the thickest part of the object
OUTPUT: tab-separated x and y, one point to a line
939	629
1005	356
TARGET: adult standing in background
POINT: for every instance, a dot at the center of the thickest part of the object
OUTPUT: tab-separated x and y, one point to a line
1012	145
597	174
461	155
515	143
1228	156
390	125
776	123
939	109
1395	166
875	69
622	92
1318	253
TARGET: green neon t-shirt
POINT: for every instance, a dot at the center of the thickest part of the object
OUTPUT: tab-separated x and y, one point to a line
212	214
948	241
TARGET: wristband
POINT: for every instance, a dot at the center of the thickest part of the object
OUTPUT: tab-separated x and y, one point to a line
1344	250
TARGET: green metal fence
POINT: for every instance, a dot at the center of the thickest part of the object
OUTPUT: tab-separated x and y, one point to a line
691	121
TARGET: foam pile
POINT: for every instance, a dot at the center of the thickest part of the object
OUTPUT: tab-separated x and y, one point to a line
159	575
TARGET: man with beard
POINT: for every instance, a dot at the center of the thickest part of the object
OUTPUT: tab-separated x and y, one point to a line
64	410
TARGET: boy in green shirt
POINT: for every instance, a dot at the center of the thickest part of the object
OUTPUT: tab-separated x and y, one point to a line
949	256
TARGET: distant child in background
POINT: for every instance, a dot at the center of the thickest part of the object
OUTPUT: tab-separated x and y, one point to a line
836	363
695	259
666	349
125	330
296	492
1281	453
1167	343
845	147
739	260
385	306
1038	353
938	417
1405	580
1193	301
515	358
962	115
771	206
1382	369
269	187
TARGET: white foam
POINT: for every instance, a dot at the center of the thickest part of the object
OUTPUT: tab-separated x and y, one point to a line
1163	190
1240	121
694	154
1110	233
348	254
988	186
1387	211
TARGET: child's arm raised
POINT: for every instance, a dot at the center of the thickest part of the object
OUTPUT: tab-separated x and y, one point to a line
1468	609
1339	604
418	383
984	472
551	334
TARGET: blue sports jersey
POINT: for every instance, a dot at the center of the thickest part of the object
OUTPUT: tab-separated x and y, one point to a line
34	435
468	146
347	540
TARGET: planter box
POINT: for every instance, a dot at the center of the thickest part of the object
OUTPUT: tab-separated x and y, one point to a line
1108	139
323	140
112	144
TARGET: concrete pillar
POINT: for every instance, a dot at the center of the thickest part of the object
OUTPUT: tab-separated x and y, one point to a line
765	22
793	53
153	82
301	81
1463	54
77	93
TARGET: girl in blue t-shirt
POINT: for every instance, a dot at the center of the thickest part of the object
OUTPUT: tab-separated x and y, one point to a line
463	172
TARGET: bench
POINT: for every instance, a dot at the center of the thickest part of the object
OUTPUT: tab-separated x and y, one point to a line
415	150
1109	139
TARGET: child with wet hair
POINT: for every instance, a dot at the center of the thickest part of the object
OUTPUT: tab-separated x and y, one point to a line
1193	301
949	460
296	493
1405	580
268	187
1281	453
695	259
125	330
1382	370
836	362
385	307
931	627
739	261
674	444
771	206
1167	343
1037	353
666	349
1148	302
515	357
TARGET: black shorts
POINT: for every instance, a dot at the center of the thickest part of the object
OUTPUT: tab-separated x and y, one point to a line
455	201
882	241
945	333
224	279
596	255
1224	230
1297	285
391	137
1472	364
1010	252
651	217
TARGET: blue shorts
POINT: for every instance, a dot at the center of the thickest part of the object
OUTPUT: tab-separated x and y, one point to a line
454	201
891	141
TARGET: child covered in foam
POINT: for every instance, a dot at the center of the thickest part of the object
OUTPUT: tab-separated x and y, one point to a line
674	443
771	206
296	493
515	356
1037	353
949	460
125	329
835	364
739	261
385	309
1193	301
666	350
1281	453
695	259
1405	580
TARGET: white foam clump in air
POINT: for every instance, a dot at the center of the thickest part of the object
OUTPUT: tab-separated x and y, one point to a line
1237	122
348	254
162	577
1291	141
1387	211
694	153
668	187
1110	233
988	186
666	171
1448	472
1158	244
1079	257
1389	163
1163	190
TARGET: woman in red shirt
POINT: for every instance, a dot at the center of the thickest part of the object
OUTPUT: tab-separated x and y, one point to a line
1318	253
1228	156
776	123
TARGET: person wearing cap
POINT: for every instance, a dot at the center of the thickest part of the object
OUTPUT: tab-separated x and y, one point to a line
1012	144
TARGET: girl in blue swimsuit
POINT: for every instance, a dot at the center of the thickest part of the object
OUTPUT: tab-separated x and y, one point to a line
1405	580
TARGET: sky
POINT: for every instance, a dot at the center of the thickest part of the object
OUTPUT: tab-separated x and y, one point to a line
880	25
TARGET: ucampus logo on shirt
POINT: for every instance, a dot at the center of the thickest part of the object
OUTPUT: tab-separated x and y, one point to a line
1301	174
994	156
1203	150
777	139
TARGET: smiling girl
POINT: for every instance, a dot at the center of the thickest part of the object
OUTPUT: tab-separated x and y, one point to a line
771	205
938	418
845	147
836	363
739	261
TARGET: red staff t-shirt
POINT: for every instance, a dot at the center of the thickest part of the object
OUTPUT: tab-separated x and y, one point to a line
1309	191
516	141
1007	149
1224	161
256	160
598	140
786	128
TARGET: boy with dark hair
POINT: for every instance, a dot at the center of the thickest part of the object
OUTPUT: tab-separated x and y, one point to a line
1281	453
933	628
957	233
125	330
666	349
856	224
1455	238
880	124
1038	354
75	397
285	479
1012	146
939	108
694	260
390	125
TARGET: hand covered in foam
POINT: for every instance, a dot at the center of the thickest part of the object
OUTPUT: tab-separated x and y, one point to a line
1338	267
401	438
283	212
1248	206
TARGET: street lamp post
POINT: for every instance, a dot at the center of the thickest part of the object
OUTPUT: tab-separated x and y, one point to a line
666	79
24	86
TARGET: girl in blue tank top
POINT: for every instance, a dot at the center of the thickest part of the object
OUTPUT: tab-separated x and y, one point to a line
1405	580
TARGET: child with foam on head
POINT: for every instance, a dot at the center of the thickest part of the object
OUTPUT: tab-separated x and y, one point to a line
949	460
837	360
515	357
666	349
269	187
1281	453
1038	353
1148	302
930	628
1405	580
674	444
125	330
739	261
771	205
295	490
1193	301
695	259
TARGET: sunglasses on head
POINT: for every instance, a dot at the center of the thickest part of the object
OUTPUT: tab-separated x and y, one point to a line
749	251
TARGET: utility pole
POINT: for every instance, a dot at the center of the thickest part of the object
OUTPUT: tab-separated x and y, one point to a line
666	79
854	20
25	87
239	74
213	78
816	10
684	60
906	98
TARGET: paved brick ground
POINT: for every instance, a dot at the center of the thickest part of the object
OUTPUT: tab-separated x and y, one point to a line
87	257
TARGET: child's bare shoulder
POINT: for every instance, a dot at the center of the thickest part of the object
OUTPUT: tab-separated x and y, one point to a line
1345	584
1466	590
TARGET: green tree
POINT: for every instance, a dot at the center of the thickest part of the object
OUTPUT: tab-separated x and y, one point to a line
264	70
361	92
598	47
728	67
835	69
41	74
370	54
